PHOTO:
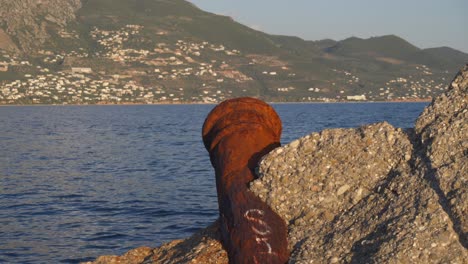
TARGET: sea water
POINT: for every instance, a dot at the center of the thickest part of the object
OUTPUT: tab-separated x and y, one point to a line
77	182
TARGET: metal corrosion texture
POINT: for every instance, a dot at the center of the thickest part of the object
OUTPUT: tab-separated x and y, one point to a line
237	133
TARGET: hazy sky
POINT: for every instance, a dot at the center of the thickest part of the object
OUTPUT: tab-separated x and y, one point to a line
424	23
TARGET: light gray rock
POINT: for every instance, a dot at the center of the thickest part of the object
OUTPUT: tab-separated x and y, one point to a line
443	131
376	194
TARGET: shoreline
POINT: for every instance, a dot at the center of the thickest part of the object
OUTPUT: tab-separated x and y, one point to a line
201	103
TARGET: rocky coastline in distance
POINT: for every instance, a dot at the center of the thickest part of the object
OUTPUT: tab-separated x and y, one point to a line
374	194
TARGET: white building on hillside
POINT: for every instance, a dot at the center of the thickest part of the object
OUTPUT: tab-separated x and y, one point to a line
361	97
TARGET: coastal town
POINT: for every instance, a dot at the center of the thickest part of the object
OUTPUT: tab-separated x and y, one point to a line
85	85
181	71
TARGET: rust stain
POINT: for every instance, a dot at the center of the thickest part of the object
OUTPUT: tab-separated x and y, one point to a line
237	133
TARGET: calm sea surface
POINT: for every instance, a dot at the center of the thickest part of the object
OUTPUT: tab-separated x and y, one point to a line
77	182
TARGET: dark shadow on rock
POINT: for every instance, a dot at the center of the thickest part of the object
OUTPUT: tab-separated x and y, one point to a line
364	249
419	151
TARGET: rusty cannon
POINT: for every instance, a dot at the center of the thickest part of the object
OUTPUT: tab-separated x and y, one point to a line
237	133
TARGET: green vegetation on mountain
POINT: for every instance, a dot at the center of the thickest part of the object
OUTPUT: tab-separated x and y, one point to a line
451	58
385	46
325	43
180	18
149	51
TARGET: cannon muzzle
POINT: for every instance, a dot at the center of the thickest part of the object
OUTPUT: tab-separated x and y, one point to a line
237	133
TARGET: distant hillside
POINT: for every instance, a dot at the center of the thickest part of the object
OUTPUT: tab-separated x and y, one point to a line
150	51
390	48
325	43
297	47
180	18
385	46
29	22
448	53
451	57
394	49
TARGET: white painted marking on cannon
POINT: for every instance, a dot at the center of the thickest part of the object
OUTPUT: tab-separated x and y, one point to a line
254	215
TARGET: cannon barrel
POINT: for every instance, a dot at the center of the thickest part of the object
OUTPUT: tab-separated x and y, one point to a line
237	133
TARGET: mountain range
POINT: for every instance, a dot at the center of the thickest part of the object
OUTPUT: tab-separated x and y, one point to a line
152	51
